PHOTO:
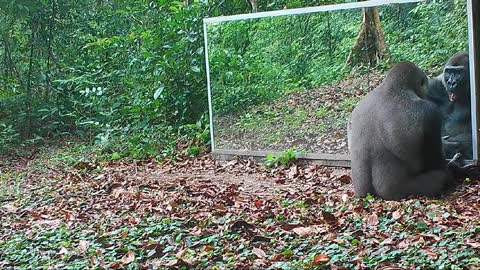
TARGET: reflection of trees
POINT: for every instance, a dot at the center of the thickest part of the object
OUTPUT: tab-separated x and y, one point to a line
257	61
254	5
370	46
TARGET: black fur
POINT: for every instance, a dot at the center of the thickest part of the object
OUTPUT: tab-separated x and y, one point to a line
457	126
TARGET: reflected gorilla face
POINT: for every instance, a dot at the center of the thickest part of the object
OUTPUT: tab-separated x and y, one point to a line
457	83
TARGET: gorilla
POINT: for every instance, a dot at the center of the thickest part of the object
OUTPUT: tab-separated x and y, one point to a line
450	91
394	137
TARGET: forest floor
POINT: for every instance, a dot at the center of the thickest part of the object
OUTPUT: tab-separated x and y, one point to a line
309	119
62	208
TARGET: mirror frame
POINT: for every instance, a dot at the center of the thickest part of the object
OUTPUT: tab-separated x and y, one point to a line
343	160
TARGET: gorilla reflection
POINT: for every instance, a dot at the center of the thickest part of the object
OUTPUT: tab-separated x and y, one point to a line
451	92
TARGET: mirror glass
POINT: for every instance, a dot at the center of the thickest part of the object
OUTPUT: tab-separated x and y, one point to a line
291	82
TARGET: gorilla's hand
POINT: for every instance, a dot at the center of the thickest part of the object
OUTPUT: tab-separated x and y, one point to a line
463	171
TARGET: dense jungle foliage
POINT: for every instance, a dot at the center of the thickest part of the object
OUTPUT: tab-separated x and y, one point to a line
130	77
259	60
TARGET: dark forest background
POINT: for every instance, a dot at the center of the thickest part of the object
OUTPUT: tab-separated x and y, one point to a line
129	76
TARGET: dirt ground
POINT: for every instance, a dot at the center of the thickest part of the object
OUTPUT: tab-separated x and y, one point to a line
304	209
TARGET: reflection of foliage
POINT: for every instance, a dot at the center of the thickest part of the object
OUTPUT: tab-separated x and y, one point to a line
313	120
275	55
258	61
427	33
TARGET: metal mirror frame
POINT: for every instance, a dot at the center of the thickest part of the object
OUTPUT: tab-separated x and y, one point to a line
342	160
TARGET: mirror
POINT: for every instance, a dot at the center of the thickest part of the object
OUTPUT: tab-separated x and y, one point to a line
290	79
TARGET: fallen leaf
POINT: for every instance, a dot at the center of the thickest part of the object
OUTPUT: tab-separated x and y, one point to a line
133	220
9	208
387	241
345	179
277	257
124	234
232	163
292	172
473	244
304	231
180	253
220	208
63	251
83	246
128	257
258	203
171	263
397	215
49	222
187	262
431	254
259	252
260	238
329	218
68	216
320	259
242	224
372	219
208	248
290	226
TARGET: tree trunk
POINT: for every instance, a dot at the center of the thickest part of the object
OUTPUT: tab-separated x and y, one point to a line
48	73
370	47
254	6
187	2
28	91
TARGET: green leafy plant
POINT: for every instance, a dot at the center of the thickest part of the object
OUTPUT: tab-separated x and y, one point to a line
287	157
195	138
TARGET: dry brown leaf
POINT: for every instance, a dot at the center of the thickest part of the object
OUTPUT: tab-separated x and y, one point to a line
473	244
258	203
9	208
329	218
220	208
63	251
208	248
83	246
68	216
180	253
372	219
387	241
431	254
304	231
320	259
397	215
345	179
49	222
128	257
292	173
259	252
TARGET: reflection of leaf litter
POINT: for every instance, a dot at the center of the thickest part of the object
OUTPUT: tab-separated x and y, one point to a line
231	134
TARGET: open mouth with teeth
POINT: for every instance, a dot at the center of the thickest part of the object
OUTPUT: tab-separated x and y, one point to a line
452	96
